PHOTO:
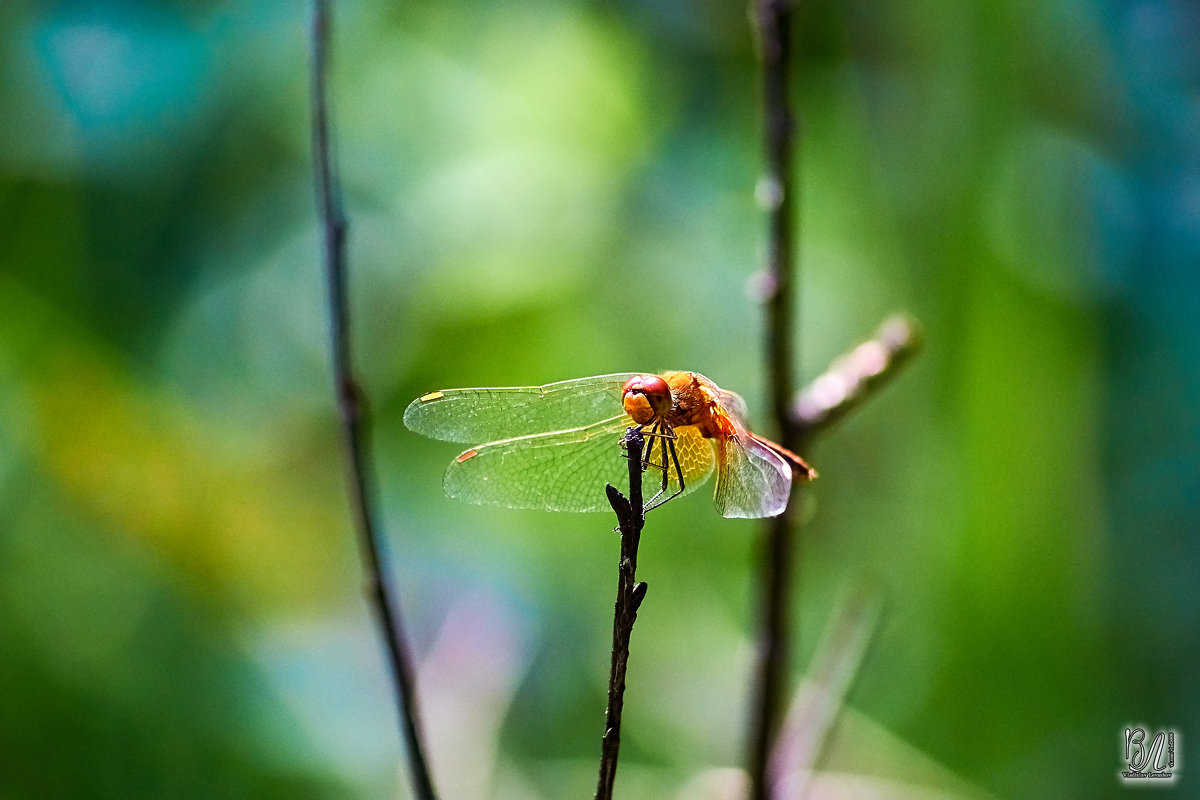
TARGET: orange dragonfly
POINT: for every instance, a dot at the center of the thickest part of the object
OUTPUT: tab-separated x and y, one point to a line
554	447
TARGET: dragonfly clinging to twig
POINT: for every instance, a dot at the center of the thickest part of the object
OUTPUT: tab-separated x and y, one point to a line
554	447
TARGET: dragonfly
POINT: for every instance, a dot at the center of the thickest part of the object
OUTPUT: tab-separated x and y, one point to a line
554	447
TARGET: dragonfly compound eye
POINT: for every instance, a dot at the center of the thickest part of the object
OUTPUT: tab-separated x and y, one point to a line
646	397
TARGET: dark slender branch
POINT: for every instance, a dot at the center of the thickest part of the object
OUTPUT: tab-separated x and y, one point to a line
776	578
849	380
630	516
855	376
353	412
777	191
830	397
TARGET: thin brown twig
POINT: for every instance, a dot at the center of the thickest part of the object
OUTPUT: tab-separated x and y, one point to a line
853	377
353	412
773	20
630	517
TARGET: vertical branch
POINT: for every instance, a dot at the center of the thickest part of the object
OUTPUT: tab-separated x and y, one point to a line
777	192
353	412
631	517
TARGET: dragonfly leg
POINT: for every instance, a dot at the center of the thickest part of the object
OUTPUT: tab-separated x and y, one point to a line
655	435
625	448
658	431
664	435
672	460
649	449
666	472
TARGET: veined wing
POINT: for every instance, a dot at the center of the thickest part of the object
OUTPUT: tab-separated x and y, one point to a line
695	454
567	470
733	403
488	415
752	480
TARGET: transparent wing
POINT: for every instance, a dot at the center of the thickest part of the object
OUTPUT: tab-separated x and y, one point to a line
734	405
567	470
752	480
488	415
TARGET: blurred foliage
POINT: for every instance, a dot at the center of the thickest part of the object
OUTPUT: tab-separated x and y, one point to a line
550	190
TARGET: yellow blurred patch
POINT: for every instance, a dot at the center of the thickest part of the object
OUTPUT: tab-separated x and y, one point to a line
254	523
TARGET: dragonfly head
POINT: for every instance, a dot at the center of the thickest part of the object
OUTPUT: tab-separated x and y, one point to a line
646	397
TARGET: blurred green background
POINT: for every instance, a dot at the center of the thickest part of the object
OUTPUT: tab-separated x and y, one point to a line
540	191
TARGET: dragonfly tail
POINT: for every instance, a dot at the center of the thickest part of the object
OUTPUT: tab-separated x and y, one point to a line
800	467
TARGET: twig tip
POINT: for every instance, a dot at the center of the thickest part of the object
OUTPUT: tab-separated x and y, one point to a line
618	501
639	594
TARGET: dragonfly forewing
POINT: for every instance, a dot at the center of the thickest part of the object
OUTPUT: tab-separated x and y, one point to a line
489	415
